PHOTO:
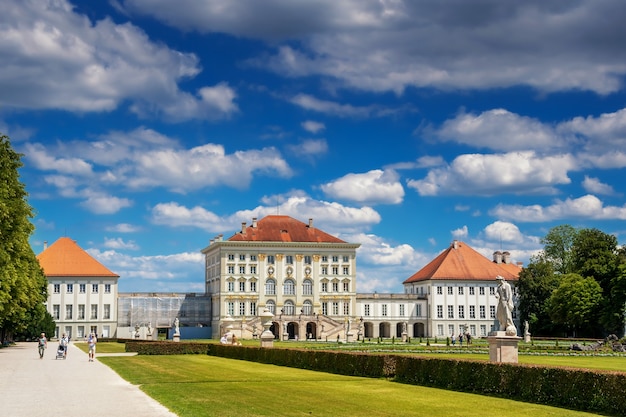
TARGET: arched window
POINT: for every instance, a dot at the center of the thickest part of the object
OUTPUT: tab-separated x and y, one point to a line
270	287
307	308
289	309
289	287
271	306
307	287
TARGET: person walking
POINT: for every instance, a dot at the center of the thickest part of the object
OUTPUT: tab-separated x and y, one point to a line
64	343
42	345
91	343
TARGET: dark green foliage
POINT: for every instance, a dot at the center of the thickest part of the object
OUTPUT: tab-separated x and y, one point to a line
576	303
535	285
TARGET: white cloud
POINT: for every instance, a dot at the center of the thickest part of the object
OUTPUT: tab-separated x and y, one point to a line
460	233
120	244
105	204
595	186
174	215
515	172
585	207
42	160
500	231
373	187
56	58
309	148
123	228
313	126
330	107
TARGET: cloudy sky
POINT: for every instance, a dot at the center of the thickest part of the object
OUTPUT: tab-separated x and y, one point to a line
150	126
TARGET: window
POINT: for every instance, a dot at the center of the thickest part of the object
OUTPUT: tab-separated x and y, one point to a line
335	258
253	258
335	287
271	306
440	330
324	270
307	259
346	270
473	329
57	288
270	259
307	308
483	330
253	308
307	287
231	269
231	257
231	308
492	312
335	308
481	290
253	269
460	290
481	310
231	286
451	329
242	269
461	312
242	309
325	308
68	312
253	286
324	258
492	290
82	288
346	309
56	311
242	257
94	288
106	311
81	312
450	290
289	287
367	309
439	290
384	309
472	312
69	288
335	270
94	312
270	287
401	309
418	310
346	258
324	286
439	311
107	288
346	287
242	286
450	312
471	290
289	259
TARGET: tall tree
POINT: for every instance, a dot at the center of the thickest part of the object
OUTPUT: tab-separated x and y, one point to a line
575	304
22	283
558	248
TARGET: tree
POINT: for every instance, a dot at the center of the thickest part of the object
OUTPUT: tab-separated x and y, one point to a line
575	304
23	285
535	286
558	248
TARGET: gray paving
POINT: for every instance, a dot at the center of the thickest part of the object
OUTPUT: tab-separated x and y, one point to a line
70	387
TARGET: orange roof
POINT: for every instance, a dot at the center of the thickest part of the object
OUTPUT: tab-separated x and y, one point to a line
461	262
277	228
64	258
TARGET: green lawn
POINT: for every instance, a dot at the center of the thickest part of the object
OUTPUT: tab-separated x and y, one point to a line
198	385
103	347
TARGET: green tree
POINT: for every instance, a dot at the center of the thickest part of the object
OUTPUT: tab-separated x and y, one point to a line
22	283
535	286
558	248
575	304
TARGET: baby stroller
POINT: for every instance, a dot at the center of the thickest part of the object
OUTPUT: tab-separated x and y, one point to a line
61	352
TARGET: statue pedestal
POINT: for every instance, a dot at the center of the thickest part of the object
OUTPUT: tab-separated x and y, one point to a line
176	337
527	338
503	348
267	339
405	337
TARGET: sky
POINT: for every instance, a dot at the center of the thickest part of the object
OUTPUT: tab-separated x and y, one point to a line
148	127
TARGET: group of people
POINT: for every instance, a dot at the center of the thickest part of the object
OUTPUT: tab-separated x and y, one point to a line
467	336
229	338
64	341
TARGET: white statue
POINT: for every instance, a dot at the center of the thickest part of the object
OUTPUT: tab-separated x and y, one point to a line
176	328
505	307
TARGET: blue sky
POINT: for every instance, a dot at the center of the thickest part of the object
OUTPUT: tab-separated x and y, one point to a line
148	127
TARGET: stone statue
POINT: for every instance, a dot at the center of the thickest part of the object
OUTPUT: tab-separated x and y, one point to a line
504	294
176	324
526	332
150	329
404	327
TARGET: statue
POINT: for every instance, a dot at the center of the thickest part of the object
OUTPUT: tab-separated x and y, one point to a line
176	328
150	329
526	332
504	294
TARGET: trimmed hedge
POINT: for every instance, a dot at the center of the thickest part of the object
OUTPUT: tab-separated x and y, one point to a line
578	389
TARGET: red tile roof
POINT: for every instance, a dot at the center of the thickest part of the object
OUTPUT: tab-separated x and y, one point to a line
461	262
64	258
277	228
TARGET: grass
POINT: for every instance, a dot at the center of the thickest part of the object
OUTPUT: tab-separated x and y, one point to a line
197	385
103	347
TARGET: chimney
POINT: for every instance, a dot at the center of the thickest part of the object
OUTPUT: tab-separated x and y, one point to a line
243	227
455	244
310	223
211	242
45	244
506	257
520	264
497	257
254	222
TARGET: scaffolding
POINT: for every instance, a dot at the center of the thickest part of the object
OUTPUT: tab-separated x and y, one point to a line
160	310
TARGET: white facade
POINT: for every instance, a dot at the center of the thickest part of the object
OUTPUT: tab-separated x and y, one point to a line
80	305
